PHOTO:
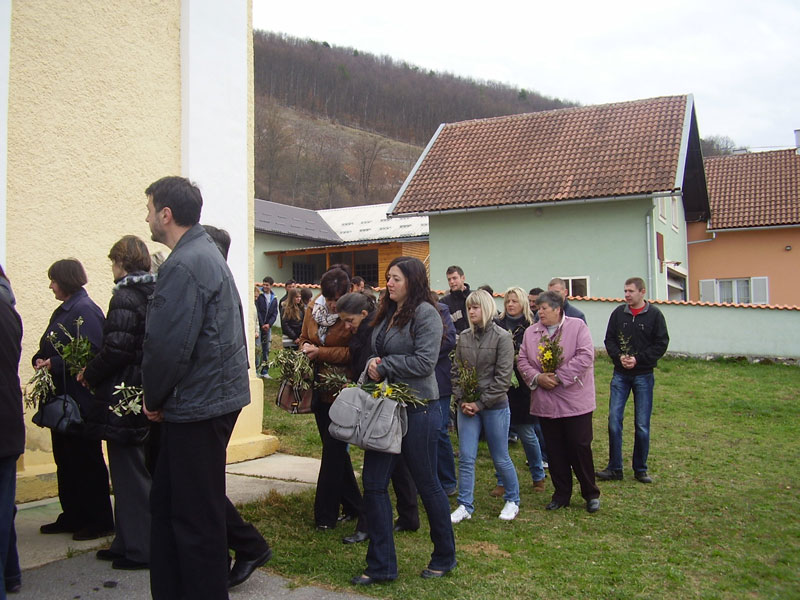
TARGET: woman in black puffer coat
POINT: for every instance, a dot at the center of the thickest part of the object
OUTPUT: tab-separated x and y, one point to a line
120	361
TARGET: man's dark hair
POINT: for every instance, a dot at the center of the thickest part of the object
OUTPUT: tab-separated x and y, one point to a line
290	282
455	269
305	295
343	267
69	274
181	196
637	281
221	238
487	288
268	280
335	283
357	280
131	253
535	291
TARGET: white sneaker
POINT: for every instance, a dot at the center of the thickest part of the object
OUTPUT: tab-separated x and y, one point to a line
460	514
508	513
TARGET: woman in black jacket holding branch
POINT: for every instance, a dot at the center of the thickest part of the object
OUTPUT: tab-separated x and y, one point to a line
80	467
120	361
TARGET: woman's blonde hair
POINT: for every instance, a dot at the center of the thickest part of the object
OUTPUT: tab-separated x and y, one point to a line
522	298
484	300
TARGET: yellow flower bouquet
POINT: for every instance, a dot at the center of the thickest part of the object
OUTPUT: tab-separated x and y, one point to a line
550	353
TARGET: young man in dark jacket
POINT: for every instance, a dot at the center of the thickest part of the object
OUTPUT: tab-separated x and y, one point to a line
267	309
194	374
636	338
456	300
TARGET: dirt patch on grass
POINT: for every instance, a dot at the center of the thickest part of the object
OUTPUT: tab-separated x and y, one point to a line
485	548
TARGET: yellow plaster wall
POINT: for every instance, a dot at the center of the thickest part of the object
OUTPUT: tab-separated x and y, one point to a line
94	116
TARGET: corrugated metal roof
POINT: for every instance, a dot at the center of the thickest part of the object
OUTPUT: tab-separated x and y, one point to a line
370	223
292	221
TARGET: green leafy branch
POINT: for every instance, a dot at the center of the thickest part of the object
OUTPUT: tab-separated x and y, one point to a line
625	345
131	402
77	352
294	367
466	379
39	388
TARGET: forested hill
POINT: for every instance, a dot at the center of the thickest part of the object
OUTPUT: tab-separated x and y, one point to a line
378	93
339	127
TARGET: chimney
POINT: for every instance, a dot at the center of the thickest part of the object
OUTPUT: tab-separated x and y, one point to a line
797	140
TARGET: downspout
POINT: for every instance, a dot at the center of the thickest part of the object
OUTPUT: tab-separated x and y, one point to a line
711	239
649	251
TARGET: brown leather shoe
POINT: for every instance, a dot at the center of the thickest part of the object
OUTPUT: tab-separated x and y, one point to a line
498	491
538	486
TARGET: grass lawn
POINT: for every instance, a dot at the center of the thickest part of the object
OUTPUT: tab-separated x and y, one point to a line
720	520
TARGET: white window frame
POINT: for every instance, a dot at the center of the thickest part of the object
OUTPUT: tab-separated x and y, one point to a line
675	212
568	281
759	289
662	209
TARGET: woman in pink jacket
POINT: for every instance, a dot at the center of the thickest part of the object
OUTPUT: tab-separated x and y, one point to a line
562	397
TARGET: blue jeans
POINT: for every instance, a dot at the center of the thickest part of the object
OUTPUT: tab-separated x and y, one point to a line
266	340
533	452
446	466
621	386
419	451
9	561
495	424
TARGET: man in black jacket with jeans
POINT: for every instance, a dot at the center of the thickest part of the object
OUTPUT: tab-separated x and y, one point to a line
636	338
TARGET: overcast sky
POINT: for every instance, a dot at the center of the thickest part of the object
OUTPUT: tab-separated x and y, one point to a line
740	59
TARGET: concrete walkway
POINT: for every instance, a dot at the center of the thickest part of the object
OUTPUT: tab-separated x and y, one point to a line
55	567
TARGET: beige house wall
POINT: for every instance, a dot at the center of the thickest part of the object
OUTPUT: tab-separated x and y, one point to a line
94	116
747	253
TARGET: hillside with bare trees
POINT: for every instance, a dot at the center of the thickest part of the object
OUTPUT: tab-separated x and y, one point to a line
339	127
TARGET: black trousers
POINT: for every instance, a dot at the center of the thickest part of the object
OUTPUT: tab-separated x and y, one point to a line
336	483
569	448
406	492
189	546
82	483
244	539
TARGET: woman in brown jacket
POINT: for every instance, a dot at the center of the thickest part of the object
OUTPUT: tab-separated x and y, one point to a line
325	340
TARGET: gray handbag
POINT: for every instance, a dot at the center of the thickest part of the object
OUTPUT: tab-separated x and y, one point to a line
370	423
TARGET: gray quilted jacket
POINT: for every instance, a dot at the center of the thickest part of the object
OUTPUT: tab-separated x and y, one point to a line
491	352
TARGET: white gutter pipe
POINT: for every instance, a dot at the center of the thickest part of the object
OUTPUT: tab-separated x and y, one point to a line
454	211
711	239
649	252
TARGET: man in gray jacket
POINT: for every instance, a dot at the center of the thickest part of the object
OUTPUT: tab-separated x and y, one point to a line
194	373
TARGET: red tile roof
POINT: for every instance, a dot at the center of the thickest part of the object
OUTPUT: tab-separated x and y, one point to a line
600	151
761	189
667	302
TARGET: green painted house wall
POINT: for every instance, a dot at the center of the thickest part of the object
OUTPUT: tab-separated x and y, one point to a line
268	265
675	246
603	241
